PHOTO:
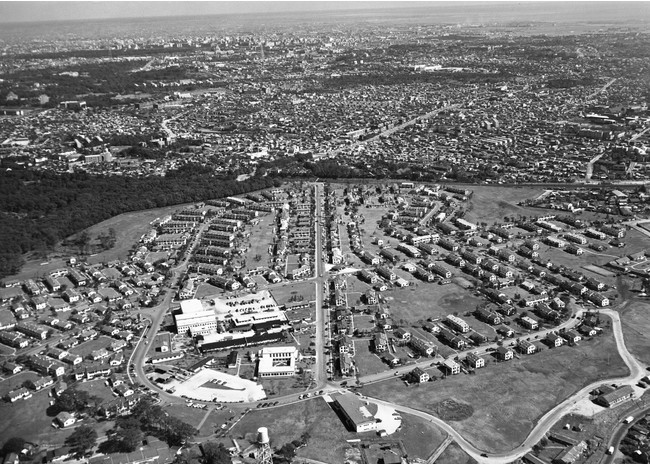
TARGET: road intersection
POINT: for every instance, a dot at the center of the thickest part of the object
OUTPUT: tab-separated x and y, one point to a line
637	370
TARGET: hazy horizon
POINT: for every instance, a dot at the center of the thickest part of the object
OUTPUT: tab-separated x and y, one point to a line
16	12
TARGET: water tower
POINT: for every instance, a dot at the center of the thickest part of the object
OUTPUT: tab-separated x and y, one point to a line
264	449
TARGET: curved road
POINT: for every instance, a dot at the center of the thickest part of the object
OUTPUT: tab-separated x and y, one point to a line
637	370
544	424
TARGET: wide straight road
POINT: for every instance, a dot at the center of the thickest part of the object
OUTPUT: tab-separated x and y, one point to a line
319	271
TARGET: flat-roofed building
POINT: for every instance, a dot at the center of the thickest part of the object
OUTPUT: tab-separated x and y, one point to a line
279	361
195	318
357	415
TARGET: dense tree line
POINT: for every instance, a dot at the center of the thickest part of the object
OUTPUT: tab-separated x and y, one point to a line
39	209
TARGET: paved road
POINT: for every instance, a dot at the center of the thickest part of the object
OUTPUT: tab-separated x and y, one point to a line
635	225
155	316
392	130
590	167
320	278
544	424
640	134
483	350
637	370
619	432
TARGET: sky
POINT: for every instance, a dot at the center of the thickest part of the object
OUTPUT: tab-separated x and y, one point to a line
28	11
35	11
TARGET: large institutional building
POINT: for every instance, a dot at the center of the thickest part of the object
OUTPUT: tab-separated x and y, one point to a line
195	319
277	361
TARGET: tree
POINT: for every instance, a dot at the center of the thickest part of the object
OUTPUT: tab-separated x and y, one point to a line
178	432
129	438
82	439
72	400
13	445
83	242
216	453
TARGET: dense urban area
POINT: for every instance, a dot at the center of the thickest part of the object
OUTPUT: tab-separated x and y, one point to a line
289	241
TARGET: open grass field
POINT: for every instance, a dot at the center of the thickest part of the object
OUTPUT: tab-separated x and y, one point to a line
429	300
85	348
420	437
635	318
299	291
508	398
492	204
260	239
129	227
453	454
287	423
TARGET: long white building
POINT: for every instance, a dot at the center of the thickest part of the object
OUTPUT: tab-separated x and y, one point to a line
194	318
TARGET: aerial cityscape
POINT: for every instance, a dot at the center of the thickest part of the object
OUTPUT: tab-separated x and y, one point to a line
324	232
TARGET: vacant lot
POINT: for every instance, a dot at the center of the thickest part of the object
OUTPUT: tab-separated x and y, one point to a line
636	328
97	388
508	398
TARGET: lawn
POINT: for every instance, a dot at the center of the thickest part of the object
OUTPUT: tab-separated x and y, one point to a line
636	328
85	348
508	398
